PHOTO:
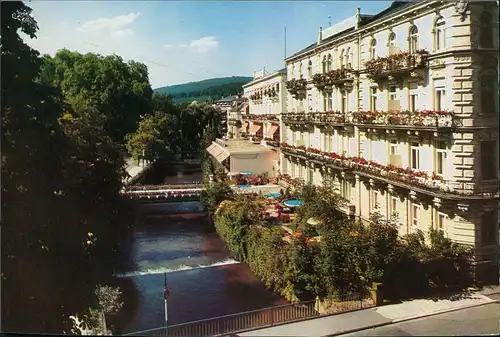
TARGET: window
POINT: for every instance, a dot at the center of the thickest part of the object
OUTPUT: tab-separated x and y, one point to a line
488	229
393	147
394	205
373	49
346	189
348	58
375	200
440	157
413	102
415	156
413	39
373	99
344	101
327	143
329	63
392	40
392	93
415	210
440	34
341	59
440	99
488	95
440	95
300	70
486	31
441	222
310	69
488	160
324	64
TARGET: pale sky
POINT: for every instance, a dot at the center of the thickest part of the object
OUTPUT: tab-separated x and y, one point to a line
183	41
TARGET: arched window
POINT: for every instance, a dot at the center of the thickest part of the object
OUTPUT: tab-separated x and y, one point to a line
439	34
348	59
324	64
373	49
413	39
392	39
329	62
293	71
486	31
309	69
341	59
300	70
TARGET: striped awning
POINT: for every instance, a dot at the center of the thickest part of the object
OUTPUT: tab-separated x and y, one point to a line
217	152
255	129
272	131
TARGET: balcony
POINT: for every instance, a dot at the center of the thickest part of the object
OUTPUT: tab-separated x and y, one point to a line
337	77
234	122
333	119
272	142
297	88
418	181
426	120
263	117
396	65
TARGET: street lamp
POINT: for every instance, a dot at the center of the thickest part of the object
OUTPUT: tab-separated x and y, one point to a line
166	294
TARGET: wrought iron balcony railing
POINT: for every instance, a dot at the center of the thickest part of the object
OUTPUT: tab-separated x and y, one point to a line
406	178
393	119
403	62
263	117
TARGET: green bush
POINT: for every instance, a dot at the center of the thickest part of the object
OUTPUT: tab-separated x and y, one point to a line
349	257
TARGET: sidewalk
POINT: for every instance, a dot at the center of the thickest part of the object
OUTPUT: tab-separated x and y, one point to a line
373	317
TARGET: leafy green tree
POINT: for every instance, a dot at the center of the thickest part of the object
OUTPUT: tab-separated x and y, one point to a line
107	86
63	218
155	139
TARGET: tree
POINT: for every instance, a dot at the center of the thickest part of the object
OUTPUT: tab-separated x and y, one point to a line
156	139
63	217
114	92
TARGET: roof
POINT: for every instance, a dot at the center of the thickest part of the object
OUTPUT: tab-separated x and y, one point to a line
228	99
395	7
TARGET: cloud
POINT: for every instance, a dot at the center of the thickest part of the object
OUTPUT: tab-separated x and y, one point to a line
109	24
201	46
204	44
121	33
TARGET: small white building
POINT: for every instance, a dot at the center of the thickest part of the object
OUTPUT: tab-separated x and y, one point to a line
237	155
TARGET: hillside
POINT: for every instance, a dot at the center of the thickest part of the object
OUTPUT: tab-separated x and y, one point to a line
202	90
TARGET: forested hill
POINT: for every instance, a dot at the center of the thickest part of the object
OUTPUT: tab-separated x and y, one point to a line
214	88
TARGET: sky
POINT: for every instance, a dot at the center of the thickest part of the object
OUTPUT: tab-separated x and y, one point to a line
184	41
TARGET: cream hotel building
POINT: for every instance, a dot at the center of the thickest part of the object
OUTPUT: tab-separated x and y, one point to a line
401	110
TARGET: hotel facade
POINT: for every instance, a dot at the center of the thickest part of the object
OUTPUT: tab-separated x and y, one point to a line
400	109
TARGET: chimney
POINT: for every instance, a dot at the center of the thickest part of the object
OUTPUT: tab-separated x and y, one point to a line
320	35
358	17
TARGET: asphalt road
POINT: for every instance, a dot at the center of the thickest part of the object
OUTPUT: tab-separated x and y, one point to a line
474	321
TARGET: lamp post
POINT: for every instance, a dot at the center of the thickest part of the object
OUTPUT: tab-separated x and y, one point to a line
166	294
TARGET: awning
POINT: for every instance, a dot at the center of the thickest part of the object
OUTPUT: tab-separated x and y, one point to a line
255	129
272	130
244	126
217	152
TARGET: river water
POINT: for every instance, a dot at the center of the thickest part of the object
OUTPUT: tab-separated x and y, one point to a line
178	239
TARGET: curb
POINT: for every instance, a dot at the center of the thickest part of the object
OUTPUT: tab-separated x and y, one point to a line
410	318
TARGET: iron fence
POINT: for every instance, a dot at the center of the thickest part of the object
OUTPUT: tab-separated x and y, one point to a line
224	325
262	318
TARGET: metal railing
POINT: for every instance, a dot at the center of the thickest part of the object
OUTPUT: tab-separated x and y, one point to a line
194	184
244	321
441	187
261	318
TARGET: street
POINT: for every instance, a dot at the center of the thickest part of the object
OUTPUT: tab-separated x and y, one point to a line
474	321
